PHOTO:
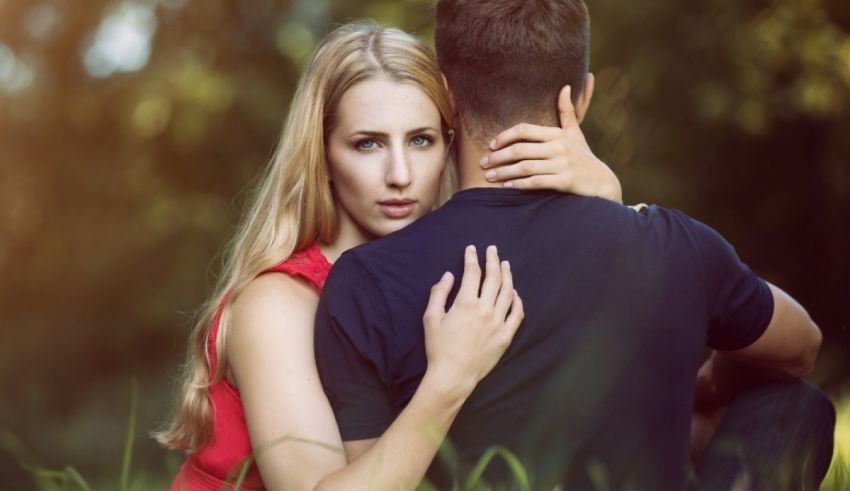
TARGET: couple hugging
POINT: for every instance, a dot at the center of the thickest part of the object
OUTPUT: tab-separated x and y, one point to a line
488	289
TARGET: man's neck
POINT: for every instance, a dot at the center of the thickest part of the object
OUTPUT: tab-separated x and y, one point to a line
469	154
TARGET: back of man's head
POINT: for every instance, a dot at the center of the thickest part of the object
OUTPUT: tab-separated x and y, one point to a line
506	60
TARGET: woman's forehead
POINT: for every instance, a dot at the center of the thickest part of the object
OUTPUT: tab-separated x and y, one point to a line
387	106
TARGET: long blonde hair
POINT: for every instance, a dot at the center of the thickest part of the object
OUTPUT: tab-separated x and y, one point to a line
293	204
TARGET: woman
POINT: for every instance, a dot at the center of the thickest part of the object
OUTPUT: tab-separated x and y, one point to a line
362	154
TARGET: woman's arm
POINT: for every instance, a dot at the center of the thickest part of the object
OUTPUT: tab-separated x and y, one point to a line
528	156
270	350
292	427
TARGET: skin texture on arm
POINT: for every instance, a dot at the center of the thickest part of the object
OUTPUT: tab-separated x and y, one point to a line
270	348
290	421
790	344
432	403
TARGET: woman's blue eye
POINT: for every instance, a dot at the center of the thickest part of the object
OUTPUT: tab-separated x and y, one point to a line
367	144
420	141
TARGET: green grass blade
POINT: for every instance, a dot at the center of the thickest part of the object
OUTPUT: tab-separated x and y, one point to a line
131	435
516	467
76	477
518	470
246	464
449	456
426	485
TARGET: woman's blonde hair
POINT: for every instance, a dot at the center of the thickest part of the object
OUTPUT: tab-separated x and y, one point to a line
293	204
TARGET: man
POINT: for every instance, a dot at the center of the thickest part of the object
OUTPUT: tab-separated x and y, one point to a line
597	389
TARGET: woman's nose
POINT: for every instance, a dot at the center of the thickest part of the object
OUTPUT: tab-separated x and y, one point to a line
399	174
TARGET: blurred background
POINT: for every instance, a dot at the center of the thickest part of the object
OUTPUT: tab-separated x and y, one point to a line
130	131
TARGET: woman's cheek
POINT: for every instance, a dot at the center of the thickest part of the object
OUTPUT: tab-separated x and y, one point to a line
432	164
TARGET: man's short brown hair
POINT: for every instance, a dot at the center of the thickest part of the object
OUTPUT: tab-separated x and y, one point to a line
506	60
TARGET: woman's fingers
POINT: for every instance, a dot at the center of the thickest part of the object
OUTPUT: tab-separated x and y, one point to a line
471	280
522	151
464	342
566	111
492	278
554	181
523	168
524	132
516	315
436	308
506	293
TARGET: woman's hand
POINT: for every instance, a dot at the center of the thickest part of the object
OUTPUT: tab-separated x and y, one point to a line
528	156
465	343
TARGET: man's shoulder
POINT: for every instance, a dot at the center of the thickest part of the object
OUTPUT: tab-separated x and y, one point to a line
660	218
413	237
366	261
347	274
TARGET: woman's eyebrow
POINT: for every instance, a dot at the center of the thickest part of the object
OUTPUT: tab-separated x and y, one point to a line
421	130
373	134
380	134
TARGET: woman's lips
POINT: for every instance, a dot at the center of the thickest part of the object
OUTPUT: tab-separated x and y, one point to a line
397	208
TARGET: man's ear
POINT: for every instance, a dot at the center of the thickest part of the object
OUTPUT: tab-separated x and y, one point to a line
583	101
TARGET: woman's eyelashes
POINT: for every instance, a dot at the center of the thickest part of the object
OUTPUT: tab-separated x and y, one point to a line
421	141
366	144
371	144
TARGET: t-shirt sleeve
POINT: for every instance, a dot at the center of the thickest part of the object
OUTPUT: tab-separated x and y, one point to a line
739	303
353	342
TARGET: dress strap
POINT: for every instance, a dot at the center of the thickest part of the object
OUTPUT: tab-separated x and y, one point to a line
308	263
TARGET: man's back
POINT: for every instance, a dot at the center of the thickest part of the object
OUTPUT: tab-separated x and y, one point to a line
599	379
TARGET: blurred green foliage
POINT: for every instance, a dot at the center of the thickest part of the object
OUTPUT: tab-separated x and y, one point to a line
123	171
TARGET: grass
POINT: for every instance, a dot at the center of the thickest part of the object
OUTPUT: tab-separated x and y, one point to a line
70	479
838	477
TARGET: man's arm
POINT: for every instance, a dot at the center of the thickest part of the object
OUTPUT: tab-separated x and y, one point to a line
786	350
758	332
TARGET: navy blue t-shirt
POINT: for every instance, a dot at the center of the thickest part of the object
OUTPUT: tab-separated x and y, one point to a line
599	379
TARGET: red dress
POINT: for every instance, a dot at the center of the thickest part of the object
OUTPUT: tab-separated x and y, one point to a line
217	465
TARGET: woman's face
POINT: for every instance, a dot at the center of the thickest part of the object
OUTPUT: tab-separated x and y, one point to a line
385	155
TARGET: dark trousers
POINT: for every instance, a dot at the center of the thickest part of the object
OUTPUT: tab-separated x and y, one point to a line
775	437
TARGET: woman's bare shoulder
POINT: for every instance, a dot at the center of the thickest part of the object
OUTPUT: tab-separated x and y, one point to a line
272	299
277	291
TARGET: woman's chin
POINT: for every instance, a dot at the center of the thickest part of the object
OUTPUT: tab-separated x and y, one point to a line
388	226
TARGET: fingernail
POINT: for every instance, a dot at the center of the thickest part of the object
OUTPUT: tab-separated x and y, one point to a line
446	276
485	161
507	265
490	175
509	184
493	144
470	248
493	249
